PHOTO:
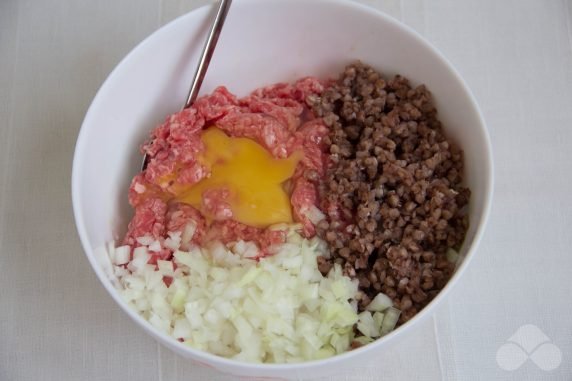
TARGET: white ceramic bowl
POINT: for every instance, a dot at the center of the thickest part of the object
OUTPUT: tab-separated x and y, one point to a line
263	41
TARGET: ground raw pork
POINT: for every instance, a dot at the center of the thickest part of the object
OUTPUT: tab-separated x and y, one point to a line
276	117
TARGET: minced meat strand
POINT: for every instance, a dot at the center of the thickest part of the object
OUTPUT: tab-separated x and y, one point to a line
392	195
276	117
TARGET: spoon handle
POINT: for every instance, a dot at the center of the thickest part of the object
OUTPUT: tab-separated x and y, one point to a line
206	56
208	51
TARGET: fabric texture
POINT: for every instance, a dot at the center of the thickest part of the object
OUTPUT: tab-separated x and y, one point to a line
58	323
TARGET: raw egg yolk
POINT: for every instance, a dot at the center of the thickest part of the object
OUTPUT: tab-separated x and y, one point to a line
250	174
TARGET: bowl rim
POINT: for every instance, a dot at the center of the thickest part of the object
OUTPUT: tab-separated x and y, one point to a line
199	355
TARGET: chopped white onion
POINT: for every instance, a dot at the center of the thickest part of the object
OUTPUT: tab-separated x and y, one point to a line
174	241
452	255
145	240
188	232
121	255
155	246
278	308
314	214
367	326
380	303
140	259
391	316
165	267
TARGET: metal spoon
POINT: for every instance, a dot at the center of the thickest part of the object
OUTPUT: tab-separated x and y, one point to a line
206	56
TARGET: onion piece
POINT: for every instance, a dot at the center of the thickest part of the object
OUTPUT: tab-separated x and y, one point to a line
188	233
380	303
314	214
121	255
391	316
367	326
452	255
279	308
145	240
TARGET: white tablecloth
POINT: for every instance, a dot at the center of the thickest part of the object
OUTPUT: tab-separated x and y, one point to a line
56	320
